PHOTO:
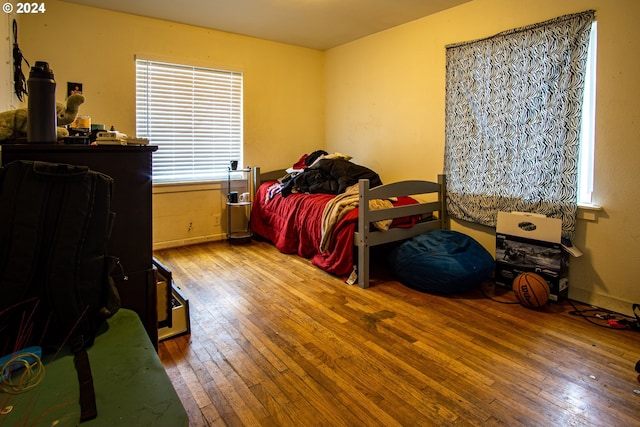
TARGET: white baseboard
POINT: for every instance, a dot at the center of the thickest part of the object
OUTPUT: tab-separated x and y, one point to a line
185	242
601	301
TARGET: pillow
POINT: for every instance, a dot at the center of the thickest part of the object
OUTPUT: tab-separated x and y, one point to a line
441	262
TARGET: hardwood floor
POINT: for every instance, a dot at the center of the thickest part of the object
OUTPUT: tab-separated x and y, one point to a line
276	341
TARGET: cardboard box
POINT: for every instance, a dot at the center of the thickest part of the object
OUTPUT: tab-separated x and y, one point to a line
528	242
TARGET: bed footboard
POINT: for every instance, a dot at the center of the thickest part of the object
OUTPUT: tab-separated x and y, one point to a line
432	210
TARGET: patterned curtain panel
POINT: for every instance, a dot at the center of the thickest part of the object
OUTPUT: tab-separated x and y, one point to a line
513	113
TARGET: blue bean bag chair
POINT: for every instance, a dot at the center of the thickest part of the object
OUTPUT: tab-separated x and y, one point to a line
441	262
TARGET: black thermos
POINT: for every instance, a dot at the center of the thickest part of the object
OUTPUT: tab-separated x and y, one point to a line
41	106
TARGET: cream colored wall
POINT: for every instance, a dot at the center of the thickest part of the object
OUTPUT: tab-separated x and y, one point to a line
385	97
283	93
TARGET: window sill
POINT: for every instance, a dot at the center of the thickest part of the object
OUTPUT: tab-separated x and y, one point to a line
589	212
179	187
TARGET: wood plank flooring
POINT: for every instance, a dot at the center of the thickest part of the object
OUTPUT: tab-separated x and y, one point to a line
276	341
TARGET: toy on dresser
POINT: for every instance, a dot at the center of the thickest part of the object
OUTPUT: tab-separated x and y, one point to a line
13	123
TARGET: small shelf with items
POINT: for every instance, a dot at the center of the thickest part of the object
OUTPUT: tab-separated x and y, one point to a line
239	205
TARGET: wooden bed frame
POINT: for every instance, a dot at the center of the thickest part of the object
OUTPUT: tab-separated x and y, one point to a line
366	236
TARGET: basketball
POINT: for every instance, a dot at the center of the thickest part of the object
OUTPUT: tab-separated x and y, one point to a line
531	289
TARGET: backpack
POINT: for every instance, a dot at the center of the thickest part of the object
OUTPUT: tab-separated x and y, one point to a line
55	273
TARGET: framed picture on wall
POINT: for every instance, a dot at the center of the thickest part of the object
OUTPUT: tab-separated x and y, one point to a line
73	88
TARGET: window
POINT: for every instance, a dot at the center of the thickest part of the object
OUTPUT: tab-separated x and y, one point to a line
194	116
587	132
514	121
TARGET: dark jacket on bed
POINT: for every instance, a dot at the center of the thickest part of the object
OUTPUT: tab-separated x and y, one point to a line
330	176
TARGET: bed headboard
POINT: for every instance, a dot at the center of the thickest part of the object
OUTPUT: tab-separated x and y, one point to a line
262	177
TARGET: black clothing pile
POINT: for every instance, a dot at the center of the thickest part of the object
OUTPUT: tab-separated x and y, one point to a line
329	176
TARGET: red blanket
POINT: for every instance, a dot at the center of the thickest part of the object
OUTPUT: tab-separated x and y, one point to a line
293	224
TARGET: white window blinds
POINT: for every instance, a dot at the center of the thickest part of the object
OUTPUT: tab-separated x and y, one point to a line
193	115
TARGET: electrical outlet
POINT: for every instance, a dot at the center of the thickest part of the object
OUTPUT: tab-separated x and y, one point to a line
216	220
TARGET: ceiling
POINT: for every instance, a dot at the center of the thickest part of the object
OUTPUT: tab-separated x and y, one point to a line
316	24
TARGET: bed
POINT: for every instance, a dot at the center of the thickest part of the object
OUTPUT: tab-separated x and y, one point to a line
294	224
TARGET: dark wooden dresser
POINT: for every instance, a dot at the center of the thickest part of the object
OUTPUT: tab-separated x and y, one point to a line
131	238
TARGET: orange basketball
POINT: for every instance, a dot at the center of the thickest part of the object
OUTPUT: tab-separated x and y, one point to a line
531	289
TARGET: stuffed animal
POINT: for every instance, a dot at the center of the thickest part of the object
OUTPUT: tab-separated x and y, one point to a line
13	123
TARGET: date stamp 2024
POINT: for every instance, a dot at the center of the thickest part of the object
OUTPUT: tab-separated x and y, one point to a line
24	8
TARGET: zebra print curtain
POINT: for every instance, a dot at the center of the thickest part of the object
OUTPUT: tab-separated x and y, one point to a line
513	114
